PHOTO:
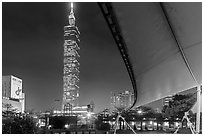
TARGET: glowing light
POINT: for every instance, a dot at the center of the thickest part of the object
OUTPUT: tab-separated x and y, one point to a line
88	114
176	124
150	122
132	123
139	111
166	123
72	6
66	125
49	126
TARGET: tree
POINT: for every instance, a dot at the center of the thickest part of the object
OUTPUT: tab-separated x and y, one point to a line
8	110
179	105
102	126
16	123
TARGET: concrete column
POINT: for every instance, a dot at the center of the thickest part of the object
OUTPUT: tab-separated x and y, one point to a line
198	110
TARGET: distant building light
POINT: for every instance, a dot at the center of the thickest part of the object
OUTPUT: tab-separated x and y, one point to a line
88	114
66	126
176	124
49	126
166	123
132	123
139	111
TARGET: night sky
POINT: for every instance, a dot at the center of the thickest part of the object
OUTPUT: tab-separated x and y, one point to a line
32	49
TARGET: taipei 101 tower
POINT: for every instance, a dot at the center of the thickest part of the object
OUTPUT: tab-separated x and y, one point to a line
71	64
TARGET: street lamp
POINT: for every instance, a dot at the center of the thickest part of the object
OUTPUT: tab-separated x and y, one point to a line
88	114
139	111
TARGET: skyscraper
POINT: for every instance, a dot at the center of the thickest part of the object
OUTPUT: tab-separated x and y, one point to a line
123	99
71	64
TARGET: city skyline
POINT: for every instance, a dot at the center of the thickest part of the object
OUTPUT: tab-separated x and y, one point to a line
101	67
33	50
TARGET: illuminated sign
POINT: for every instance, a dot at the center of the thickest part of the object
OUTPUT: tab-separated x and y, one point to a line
16	87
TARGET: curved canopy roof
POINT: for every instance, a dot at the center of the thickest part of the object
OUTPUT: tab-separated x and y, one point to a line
164	45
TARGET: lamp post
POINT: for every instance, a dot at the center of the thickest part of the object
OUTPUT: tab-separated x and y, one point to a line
140	112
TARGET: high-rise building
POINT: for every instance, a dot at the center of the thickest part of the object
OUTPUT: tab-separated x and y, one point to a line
123	99
166	100
12	93
71	64
113	101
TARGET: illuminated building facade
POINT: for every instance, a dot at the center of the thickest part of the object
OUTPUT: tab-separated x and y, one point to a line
166	100
71	64
12	93
124	99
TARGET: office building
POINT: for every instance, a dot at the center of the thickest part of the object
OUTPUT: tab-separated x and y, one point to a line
123	100
12	93
71	64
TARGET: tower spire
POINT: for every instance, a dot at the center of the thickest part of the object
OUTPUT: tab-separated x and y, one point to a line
72	8
71	16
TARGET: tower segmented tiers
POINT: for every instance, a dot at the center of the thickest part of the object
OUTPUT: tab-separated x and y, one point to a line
71	64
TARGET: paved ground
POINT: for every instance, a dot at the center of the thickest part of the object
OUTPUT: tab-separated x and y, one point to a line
130	132
181	131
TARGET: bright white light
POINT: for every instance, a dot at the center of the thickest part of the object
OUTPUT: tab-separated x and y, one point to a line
150	122
66	125
139	111
133	123
166	123
176	124
88	114
49	126
72	6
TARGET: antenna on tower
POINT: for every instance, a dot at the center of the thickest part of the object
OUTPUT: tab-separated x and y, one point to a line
71	15
72	7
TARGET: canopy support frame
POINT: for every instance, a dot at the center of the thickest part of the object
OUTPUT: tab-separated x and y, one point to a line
111	19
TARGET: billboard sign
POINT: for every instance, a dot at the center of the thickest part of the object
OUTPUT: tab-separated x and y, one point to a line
16	87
